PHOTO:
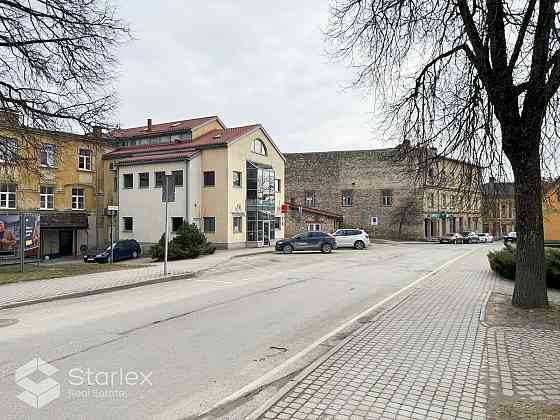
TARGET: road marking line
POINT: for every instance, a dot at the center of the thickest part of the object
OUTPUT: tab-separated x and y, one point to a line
267	377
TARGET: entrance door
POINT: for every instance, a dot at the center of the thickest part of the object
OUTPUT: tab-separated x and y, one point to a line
266	233
66	242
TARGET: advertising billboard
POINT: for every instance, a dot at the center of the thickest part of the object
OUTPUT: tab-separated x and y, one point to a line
11	232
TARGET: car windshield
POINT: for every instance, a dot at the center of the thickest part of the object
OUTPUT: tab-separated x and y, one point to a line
109	247
513	234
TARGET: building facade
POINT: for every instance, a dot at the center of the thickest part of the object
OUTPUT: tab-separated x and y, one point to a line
300	219
373	190
58	175
498	209
229	181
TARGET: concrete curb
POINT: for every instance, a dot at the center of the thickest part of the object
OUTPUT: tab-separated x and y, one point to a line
387	307
74	295
98	291
281	393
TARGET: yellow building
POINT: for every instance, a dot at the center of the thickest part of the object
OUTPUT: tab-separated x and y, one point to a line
228	181
551	214
59	175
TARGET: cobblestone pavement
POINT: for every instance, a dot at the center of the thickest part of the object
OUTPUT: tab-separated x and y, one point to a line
40	289
430	357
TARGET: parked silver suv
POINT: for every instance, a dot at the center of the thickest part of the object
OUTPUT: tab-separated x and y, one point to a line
356	238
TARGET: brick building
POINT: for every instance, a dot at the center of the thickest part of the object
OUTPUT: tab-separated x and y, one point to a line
363	184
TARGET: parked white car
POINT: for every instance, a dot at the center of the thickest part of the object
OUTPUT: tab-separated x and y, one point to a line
486	237
355	238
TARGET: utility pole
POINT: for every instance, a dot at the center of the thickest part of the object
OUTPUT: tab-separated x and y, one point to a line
168	194
166	226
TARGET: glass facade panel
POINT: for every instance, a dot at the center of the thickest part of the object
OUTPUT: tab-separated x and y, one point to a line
261	204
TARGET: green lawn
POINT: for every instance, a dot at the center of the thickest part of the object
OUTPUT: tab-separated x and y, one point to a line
11	274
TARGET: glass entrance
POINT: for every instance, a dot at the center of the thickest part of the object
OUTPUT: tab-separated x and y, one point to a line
266	231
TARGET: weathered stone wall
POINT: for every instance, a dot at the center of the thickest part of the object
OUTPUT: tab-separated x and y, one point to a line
367	173
297	223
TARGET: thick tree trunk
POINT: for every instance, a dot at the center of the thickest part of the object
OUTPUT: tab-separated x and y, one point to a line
530	277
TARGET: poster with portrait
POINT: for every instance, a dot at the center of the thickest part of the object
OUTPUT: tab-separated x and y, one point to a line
10	232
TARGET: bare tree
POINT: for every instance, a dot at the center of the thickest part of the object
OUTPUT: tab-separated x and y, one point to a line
57	62
480	81
408	212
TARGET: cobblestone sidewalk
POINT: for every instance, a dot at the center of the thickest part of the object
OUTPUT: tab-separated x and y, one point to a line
432	356
15	293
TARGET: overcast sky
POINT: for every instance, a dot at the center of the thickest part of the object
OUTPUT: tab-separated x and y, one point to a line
247	61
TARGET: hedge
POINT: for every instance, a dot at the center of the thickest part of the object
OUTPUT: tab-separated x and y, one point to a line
503	263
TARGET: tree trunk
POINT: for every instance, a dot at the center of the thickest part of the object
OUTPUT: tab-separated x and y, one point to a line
530	276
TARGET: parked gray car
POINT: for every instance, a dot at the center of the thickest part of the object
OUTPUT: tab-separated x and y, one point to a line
308	241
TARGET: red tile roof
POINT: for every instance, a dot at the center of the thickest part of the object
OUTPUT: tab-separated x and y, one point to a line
223	136
214	137
168	127
157	158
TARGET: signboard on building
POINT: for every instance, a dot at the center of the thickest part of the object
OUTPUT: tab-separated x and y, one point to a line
168	189
374	221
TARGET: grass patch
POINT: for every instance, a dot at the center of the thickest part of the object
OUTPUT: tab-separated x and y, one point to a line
43	271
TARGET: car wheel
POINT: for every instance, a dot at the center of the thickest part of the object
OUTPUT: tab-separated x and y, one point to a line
326	248
287	249
134	254
359	245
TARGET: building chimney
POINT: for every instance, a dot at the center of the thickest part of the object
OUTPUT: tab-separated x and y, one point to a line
149	124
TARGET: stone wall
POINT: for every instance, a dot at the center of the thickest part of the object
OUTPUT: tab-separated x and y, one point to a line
297	222
367	174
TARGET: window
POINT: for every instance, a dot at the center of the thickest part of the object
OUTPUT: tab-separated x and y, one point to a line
388	198
209	224
310	198
278	185
277	222
143	180
237	223
176	223
112	166
47	155
443	200
313	227
128	181
8	150
7	196
431	200
347	198
47	198
115	184
258	147
160	177
236	179
178	177
78	198
209	179
85	160
128	224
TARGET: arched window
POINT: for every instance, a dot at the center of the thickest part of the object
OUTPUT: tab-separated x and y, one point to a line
259	147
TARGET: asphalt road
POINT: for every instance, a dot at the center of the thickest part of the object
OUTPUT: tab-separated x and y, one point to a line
188	345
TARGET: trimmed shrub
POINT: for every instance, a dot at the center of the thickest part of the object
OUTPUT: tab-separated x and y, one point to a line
503	263
188	243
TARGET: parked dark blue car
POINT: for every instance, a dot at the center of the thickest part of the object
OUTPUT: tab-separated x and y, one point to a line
122	250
